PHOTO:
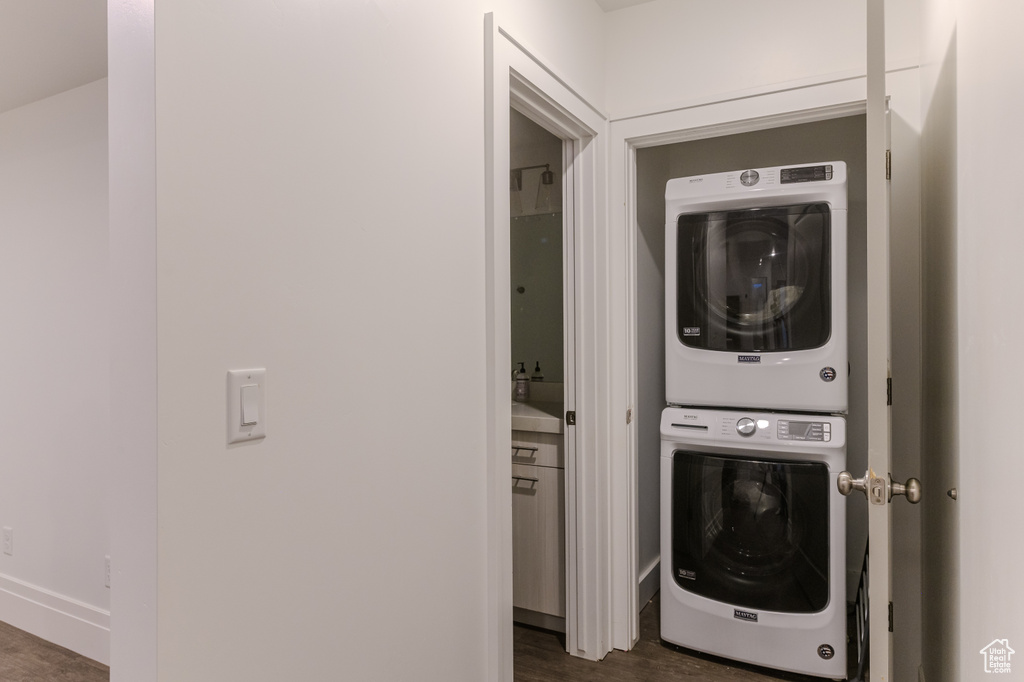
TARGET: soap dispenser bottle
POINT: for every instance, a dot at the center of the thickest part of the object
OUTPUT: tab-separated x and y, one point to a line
522	393
537	374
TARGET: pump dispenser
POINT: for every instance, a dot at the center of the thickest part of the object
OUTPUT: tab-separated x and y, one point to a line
522	393
537	374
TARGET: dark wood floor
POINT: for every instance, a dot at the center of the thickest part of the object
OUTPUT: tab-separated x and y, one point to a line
26	658
540	657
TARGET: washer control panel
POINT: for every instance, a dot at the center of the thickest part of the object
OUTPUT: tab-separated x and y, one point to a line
804	430
722	426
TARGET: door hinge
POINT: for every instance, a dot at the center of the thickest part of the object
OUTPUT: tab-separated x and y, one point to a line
888	164
888	391
570	418
629	416
890	616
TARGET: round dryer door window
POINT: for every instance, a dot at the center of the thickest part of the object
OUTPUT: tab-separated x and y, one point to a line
755	280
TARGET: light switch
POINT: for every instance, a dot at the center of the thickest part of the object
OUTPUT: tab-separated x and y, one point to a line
250	405
247	404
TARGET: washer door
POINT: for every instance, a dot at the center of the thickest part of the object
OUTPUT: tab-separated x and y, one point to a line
755	280
752	533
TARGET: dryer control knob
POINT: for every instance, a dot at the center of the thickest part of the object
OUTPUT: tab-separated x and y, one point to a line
746	426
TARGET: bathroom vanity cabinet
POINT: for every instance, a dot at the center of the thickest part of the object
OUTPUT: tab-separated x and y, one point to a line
538	526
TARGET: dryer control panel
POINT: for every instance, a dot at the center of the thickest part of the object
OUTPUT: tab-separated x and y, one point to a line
807	174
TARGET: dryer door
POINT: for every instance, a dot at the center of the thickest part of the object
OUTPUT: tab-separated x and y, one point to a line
752	533
755	280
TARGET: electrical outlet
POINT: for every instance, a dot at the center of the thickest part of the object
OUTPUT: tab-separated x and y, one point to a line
106	574
8	541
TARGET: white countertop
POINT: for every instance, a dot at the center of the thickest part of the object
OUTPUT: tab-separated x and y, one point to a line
537	416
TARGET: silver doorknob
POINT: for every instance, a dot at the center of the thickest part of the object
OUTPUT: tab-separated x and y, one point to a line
877	489
911	489
847	483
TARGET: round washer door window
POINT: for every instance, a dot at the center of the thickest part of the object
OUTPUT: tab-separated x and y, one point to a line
751	533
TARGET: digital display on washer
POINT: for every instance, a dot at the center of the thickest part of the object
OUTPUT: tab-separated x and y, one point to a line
794	430
806	174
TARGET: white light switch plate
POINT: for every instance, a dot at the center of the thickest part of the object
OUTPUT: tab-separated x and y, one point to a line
254	381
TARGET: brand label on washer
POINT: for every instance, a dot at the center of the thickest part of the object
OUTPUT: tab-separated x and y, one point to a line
744	615
748	359
688	575
827	374
826	651
691	331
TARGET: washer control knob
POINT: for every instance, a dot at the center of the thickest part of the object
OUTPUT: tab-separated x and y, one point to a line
746	426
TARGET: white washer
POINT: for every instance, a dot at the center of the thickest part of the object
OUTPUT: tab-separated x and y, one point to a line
755	289
753	546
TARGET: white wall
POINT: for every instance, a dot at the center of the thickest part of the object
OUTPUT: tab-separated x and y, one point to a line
568	35
299	208
672	53
940	427
989	246
54	359
665	54
309	159
133	376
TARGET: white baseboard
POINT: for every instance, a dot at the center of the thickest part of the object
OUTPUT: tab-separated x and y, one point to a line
538	619
650	582
66	622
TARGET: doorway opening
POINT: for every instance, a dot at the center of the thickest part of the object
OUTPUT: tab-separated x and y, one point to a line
542	303
836	134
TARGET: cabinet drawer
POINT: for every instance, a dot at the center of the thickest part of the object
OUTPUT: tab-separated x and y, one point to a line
541	449
538	539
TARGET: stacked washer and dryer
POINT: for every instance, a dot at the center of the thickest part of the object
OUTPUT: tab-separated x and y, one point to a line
753	528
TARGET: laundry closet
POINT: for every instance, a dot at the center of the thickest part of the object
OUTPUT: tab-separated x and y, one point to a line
832	433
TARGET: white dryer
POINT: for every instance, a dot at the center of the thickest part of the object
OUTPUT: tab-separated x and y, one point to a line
753	544
755	289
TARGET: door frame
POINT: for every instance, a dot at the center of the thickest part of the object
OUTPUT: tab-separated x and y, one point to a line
789	104
517	76
798	103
